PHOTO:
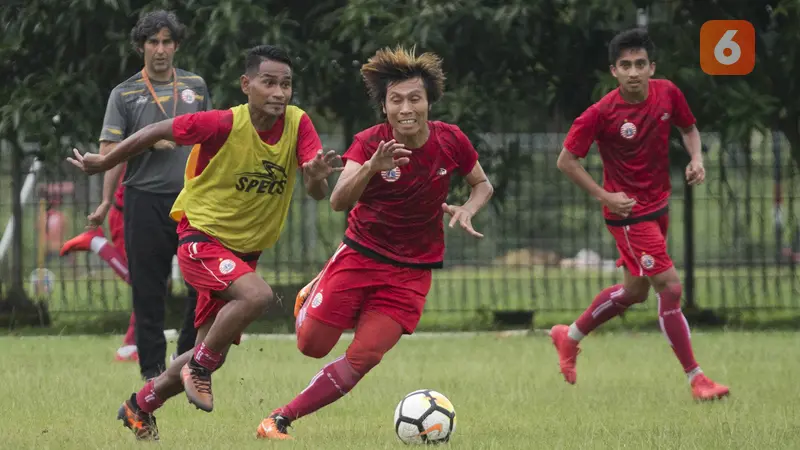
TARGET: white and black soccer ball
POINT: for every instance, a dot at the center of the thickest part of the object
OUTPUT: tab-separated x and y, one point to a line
424	417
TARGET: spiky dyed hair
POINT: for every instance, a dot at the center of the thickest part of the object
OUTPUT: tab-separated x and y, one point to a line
389	66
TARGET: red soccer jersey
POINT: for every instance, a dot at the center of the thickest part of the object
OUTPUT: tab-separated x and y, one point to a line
211	128
399	216
633	140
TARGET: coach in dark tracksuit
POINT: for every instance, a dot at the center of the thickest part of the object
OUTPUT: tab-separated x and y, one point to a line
154	179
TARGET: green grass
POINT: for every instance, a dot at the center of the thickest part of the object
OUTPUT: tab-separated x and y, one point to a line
63	393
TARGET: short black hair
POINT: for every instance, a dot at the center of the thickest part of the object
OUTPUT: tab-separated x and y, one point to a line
636	38
256	55
151	23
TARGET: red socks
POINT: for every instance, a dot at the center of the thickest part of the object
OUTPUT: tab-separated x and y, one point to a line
147	399
328	385
614	300
112	256
206	357
376	334
608	304
674	325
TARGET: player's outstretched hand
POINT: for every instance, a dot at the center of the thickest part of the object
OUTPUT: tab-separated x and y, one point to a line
321	166
389	155
462	216
619	203
98	216
695	173
90	163
164	145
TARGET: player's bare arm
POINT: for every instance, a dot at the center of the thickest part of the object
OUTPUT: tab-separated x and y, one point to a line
317	171
695	172
618	202
133	145
480	193
110	181
355	176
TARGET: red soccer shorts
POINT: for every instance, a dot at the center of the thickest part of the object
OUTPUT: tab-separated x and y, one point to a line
643	246
116	226
352	283
210	268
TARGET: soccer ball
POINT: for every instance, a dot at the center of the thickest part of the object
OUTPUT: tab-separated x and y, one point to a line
424	417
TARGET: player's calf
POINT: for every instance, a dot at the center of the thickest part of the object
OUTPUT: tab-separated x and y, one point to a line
608	304
247	297
376	334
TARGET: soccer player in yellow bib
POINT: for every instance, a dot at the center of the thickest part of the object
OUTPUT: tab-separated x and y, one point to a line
239	182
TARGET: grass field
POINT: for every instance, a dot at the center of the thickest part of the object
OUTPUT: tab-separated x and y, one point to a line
63	393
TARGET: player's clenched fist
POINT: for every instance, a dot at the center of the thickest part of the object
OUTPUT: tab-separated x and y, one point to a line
90	163
695	172
619	203
389	155
321	166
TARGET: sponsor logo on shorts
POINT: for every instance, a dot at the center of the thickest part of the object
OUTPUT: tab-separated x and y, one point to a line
647	261
188	96
441	172
627	130
391	175
226	266
317	300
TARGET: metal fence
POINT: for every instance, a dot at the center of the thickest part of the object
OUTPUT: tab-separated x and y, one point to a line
735	239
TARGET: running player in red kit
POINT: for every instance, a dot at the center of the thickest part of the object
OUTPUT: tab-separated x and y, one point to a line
240	177
631	126
113	253
397	174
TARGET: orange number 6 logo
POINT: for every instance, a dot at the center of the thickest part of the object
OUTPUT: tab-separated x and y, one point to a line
727	47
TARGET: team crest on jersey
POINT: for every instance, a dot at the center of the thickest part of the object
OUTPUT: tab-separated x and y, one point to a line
647	261
391	175
627	130
226	266
188	96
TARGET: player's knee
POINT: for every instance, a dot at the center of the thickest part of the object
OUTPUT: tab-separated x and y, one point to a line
669	297
260	298
363	359
313	349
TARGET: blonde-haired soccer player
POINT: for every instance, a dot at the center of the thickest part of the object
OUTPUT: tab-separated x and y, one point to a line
397	174
239	182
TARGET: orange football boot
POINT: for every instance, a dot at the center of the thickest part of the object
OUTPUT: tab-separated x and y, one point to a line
141	423
197	385
274	427
567	352
704	389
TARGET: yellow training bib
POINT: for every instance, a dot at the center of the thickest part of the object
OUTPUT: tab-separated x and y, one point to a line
242	197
